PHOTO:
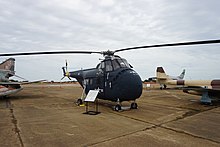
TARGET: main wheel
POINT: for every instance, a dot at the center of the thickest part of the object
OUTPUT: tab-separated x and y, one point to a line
134	106
165	86
79	102
117	107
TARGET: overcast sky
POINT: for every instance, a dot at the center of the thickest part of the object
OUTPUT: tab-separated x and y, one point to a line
99	25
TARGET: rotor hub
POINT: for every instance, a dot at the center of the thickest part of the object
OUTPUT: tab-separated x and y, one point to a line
108	53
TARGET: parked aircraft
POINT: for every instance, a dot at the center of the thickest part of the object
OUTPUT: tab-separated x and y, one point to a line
113	76
6	71
209	90
164	86
8	86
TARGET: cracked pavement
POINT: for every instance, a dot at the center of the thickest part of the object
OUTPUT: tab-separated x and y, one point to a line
46	115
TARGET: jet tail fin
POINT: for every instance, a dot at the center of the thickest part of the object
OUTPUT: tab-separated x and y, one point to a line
161	75
8	65
181	76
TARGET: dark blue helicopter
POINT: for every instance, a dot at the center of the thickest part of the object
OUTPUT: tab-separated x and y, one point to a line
115	79
114	76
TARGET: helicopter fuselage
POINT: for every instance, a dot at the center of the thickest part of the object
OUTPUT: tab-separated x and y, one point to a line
114	77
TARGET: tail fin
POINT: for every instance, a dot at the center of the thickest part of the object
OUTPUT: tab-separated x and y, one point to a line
181	76
8	65
161	75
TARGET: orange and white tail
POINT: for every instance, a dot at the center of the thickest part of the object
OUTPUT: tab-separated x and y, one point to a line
161	75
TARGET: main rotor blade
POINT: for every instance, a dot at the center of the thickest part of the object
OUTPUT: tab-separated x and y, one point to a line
112	52
48	53
171	44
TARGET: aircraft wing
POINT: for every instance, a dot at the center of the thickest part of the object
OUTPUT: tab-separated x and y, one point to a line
10	83
20	83
38	81
154	79
201	90
208	94
198	88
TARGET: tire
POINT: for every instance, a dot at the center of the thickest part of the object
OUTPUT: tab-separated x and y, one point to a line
117	107
134	106
79	102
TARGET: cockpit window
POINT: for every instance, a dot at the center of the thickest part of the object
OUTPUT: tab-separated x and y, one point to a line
126	63
123	63
113	64
108	65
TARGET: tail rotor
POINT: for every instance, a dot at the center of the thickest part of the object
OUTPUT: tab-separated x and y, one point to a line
65	72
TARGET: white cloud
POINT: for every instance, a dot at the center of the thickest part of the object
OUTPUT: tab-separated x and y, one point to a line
109	24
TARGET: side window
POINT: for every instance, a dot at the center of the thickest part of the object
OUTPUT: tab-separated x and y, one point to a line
90	81
86	82
102	65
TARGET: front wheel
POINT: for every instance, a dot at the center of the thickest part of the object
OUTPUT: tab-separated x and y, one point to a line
117	107
79	102
134	106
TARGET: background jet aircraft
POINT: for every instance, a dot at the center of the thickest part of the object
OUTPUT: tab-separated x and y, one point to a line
208	89
163	85
6	71
7	86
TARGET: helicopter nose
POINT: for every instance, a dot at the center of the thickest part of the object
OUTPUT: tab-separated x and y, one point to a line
129	85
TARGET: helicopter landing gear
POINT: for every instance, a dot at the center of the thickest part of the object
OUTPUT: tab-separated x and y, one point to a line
134	105
117	107
79	102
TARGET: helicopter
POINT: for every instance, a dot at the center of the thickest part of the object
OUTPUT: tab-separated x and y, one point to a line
114	77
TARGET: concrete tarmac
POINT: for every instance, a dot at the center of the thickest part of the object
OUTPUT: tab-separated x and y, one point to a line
45	115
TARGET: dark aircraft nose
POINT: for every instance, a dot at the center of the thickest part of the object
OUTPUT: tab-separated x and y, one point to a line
129	85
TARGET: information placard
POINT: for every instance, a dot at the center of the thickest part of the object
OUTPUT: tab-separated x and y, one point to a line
91	96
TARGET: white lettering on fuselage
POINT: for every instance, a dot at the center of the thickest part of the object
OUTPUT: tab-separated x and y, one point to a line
133	72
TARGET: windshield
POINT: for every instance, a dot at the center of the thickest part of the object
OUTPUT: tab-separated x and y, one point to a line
113	64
